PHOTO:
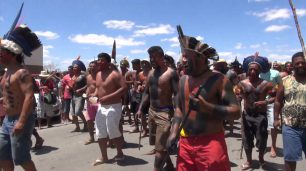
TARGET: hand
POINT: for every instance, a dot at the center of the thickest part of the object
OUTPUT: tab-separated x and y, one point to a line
261	104
171	142
277	123
102	100
18	128
194	103
138	115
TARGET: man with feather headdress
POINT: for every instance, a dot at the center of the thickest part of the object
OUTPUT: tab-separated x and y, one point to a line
18	101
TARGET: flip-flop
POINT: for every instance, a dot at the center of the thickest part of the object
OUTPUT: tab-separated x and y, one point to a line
88	142
98	162
245	166
39	143
273	155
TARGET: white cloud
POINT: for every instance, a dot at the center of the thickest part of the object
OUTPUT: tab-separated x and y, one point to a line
273	14
279	58
255	46
174	55
174	41
104	40
301	12
47	34
154	30
138	51
119	24
276	28
225	54
239	46
1	18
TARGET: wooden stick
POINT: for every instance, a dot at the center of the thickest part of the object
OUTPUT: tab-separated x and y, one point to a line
298	27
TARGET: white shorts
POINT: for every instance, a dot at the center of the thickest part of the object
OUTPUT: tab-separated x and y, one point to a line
270	115
107	121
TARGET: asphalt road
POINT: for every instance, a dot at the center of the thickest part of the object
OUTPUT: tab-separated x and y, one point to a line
65	151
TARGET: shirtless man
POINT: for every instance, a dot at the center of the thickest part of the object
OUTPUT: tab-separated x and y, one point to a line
161	86
143	77
92	105
254	118
18	98
287	70
110	86
202	143
132	79
79	85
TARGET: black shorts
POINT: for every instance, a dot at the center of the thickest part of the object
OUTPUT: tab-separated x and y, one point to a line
254	126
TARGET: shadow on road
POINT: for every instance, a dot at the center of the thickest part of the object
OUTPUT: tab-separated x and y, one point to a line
130	160
131	145
44	150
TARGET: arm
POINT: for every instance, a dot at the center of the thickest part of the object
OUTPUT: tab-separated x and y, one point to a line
145	98
229	110
26	86
278	104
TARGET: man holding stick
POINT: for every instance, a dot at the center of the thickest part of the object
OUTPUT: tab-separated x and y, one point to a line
161	86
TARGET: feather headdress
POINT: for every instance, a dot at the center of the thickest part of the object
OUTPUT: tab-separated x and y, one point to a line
20	39
197	46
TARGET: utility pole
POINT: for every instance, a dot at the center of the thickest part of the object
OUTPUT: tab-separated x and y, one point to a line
298	27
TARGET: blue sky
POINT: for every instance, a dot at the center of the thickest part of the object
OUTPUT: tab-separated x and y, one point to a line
87	27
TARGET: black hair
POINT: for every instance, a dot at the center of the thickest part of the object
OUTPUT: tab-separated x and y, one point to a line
19	57
287	63
298	54
136	61
105	56
157	49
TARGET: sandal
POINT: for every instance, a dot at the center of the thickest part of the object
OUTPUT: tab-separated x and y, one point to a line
98	162
89	142
245	166
39	143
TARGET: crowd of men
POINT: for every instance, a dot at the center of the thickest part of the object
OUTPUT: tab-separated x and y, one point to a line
189	102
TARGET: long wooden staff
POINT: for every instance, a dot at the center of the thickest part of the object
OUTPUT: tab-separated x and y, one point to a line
298	27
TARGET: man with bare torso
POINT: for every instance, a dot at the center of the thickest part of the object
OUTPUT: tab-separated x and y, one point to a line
161	86
110	86
92	105
79	85
18	100
132	79
202	144
254	118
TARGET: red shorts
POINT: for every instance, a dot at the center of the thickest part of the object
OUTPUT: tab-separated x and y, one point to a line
91	111
203	153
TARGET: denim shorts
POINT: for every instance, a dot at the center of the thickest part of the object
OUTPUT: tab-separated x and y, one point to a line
77	105
294	140
16	148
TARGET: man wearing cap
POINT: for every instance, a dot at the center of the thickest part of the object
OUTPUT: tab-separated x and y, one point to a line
79	85
110	86
46	86
124	67
220	66
254	117
159	90
18	99
205	99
